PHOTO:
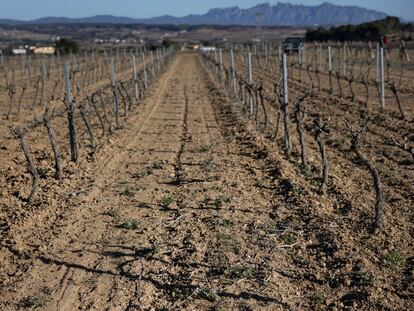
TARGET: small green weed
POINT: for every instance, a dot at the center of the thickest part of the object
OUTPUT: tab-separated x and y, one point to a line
216	187
146	172
158	165
114	214
207	165
220	200
167	201
215	177
128	192
226	242
361	278
240	272
226	223
43	172
34	301
396	260
289	237
204	148
206	200
259	183
207	294
317	298
129	225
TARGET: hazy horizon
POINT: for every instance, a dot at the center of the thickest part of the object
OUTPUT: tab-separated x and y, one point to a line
29	9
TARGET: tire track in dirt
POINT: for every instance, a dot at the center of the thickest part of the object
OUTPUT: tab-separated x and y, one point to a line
207	223
108	286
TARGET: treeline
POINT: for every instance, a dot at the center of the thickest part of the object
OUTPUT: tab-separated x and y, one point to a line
372	31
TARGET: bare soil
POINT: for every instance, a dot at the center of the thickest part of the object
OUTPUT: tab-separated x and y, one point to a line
191	208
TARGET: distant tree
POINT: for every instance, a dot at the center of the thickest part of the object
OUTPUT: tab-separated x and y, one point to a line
167	43
66	46
373	31
151	46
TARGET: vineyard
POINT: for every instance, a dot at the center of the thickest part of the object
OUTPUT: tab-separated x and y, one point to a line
243	178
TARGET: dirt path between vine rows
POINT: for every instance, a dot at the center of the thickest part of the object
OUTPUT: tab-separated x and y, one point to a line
165	225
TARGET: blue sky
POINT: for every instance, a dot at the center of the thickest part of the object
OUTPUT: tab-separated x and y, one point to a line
30	9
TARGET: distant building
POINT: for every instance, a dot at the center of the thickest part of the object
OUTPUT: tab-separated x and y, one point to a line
48	50
54	38
207	48
19	51
190	47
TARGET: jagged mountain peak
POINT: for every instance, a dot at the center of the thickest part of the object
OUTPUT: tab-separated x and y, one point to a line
282	13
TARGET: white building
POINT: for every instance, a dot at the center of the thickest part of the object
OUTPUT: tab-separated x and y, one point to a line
48	50
19	51
207	48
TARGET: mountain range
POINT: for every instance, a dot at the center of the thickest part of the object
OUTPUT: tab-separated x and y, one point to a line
281	14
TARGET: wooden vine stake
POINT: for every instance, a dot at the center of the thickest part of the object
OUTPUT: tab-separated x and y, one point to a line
300	61
115	93
285	105
54	143
11	92
355	147
321	133
262	103
19	104
134	76
330	69
21	136
382	84
344	61
88	125
144	66
103	105
233	73
70	112
377	67
215	62
250	76
43	94
404	53
395	91
300	115
221	66
92	101
152	65
338	78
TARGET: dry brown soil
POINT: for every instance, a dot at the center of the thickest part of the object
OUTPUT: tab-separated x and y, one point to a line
191	209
